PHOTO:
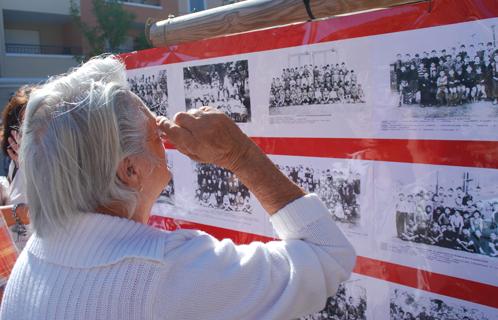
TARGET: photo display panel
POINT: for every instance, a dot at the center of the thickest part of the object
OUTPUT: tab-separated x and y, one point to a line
437	83
390	117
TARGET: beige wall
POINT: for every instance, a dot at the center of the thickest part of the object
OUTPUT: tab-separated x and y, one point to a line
49	35
36	66
65	34
46	6
21	36
16	70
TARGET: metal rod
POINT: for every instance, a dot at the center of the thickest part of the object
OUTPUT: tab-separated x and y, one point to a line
252	15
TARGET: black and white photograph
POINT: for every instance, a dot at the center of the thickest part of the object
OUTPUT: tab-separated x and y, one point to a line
312	79
219	188
438	83
316	90
151	85
454	215
339	188
438	218
415	305
349	303
224	86
450	81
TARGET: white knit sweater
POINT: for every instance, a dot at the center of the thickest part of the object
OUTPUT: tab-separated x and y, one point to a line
104	267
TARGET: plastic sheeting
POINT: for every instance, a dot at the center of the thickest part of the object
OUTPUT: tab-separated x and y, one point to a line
389	116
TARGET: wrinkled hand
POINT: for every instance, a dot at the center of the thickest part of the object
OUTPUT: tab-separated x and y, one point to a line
13	148
207	135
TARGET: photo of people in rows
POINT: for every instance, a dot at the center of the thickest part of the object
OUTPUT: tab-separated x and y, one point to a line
347	304
453	217
450	77
406	305
316	84
153	90
338	189
220	189
224	86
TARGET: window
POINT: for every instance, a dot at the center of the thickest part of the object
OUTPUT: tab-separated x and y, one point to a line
30	37
197	5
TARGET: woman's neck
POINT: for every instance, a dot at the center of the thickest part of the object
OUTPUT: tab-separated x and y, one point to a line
141	213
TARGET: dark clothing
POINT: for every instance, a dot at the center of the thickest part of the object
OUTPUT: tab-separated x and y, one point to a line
425	91
466	199
401	218
480	245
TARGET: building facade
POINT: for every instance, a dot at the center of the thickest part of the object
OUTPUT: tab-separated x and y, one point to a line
38	38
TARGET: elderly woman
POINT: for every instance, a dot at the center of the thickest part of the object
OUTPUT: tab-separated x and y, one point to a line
94	164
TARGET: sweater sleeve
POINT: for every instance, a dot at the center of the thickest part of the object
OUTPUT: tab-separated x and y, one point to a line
204	278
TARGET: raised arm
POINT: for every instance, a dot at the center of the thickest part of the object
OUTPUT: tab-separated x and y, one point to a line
277	280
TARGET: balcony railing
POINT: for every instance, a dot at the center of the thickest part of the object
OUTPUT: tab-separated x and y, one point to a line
41	49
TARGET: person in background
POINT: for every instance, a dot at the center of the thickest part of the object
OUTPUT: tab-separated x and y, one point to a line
4	191
14	208
92	256
12	117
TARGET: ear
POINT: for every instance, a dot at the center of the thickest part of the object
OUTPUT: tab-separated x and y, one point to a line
128	172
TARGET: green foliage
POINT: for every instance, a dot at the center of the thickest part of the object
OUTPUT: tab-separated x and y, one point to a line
113	23
141	42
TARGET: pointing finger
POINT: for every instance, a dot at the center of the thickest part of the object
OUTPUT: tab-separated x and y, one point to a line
180	137
172	131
